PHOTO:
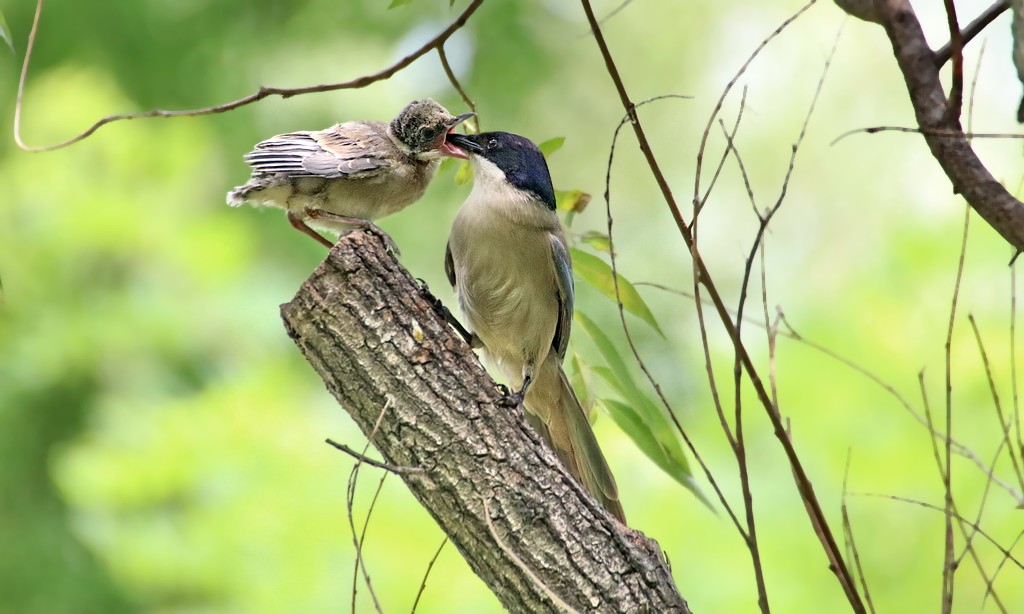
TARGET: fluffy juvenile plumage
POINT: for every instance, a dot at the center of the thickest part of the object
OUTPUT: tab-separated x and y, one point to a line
351	173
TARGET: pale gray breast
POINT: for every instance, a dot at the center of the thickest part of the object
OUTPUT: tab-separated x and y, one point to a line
505	283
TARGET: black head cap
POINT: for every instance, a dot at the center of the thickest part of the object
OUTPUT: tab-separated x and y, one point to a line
521	161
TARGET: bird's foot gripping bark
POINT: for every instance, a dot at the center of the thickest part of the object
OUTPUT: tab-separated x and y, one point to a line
511	398
356	222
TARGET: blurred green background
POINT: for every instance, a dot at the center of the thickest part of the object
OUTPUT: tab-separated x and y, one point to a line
161	440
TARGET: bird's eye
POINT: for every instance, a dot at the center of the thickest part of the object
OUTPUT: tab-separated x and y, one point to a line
491	144
426	132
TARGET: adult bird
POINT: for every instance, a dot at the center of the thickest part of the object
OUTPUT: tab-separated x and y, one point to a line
509	265
350	174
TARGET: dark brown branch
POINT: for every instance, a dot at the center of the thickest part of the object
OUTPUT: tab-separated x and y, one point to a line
365	326
956	48
967	173
973	29
263	92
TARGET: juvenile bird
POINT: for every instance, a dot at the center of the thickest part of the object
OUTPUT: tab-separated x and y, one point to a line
509	265
347	175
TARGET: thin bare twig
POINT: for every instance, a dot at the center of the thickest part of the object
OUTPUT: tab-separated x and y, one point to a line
758	245
929	131
261	93
1013	365
458	86
357	542
725	153
705	345
1004	424
851	543
612	13
948	569
1002	563
790	332
804	486
396	469
974	87
426	574
625	326
956	47
1009	555
698	204
730	148
973	29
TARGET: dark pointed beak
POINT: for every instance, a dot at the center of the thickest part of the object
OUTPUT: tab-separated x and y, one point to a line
460	145
465	141
458	119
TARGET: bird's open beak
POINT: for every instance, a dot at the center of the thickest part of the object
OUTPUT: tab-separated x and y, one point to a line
447	148
460	145
458	119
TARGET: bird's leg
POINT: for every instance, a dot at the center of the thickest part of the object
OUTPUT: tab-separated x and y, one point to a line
357	222
514	399
446	314
298	223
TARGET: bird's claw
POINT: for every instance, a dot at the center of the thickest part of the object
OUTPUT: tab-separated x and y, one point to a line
429	297
389	243
509	398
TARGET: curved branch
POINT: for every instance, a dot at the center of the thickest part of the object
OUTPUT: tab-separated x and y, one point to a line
488	480
943	134
973	29
263	92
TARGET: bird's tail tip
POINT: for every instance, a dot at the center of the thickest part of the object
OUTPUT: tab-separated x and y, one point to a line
239	195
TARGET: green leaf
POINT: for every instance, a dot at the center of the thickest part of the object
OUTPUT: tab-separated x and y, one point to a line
550	146
397	3
465	173
5	32
571	200
620	377
646	423
598	273
597	240
666	452
448	164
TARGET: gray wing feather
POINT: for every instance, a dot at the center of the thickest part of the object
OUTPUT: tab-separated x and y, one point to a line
566	294
342	151
449	263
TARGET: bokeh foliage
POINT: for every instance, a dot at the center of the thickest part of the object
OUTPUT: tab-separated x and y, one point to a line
161	439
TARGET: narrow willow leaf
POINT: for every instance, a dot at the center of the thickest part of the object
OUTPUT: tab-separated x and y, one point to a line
598	273
571	200
550	146
465	173
597	240
667	454
627	387
5	32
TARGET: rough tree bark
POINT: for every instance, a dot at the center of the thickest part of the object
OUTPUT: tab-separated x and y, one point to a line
523	524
